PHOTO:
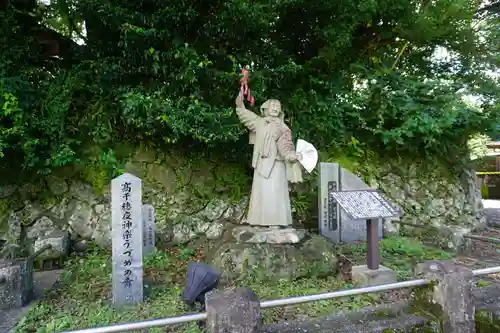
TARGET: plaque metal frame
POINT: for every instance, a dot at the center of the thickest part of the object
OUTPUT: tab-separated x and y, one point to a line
372	237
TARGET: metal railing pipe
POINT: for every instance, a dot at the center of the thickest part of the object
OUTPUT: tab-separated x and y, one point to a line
343	293
365	290
486	271
140	325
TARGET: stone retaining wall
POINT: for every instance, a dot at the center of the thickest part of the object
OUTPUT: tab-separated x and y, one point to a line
433	195
202	198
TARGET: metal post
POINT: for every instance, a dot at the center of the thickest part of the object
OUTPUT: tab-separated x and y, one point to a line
372	244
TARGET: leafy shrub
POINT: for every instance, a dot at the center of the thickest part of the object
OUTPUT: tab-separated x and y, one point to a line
168	74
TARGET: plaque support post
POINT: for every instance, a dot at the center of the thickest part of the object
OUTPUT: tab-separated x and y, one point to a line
372	244
370	206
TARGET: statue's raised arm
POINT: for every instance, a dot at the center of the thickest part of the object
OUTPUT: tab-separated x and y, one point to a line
247	117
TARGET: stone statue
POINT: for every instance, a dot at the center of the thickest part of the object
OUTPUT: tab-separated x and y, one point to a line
275	162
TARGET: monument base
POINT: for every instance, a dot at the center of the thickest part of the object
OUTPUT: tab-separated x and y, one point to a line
368	277
268	235
242	257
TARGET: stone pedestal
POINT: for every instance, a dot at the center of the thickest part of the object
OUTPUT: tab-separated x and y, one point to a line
16	283
233	310
452	292
368	277
260	235
266	254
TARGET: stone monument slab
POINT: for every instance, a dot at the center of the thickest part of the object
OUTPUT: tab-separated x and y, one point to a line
334	223
127	240
148	217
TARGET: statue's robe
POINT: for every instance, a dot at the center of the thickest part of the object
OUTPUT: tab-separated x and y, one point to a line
273	148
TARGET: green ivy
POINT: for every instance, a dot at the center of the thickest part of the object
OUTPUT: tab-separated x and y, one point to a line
100	168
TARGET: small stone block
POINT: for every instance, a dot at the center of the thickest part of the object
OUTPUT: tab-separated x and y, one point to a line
233	310
60	245
15	292
368	277
453	292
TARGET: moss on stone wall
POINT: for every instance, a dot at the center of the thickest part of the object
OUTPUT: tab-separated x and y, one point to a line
429	192
193	194
194	191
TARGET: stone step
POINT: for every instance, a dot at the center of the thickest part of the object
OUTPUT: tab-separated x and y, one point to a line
377	319
338	324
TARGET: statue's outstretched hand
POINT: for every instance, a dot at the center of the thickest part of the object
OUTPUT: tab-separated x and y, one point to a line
239	101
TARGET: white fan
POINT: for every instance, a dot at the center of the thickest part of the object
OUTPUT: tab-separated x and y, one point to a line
309	155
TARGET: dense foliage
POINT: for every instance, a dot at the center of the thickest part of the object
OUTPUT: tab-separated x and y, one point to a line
167	71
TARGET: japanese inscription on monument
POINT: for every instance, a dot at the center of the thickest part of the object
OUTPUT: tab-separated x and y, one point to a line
332	207
365	204
148	217
127	240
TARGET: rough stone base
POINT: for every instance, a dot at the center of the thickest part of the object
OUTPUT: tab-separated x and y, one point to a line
260	235
59	240
367	277
314	256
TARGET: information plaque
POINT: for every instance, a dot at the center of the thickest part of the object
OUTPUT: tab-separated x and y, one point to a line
365	205
370	206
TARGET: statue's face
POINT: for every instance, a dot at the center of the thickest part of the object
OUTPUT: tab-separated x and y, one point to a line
274	109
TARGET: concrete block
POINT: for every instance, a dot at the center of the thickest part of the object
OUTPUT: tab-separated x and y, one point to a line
368	277
453	293
233	310
16	283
